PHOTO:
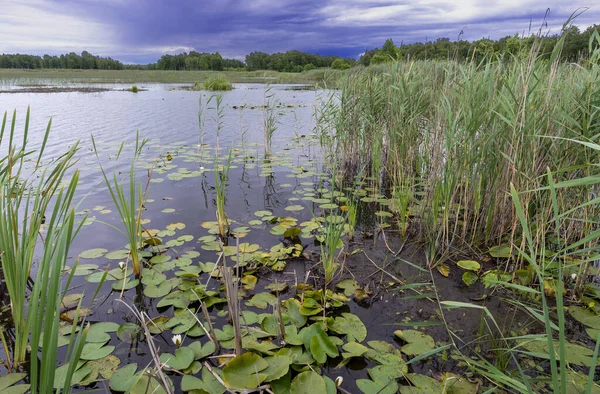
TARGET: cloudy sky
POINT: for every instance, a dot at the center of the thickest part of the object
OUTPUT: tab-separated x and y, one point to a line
140	31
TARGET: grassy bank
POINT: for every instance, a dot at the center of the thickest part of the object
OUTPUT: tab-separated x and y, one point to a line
158	76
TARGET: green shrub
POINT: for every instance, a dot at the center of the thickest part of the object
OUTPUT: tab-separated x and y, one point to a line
134	89
309	67
339	64
216	84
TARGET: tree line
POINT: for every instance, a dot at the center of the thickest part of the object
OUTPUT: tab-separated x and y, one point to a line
68	61
576	47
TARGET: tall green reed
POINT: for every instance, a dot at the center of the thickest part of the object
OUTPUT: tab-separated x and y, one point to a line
129	203
26	196
457	135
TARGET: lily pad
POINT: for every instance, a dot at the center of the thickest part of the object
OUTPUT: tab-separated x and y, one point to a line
245	372
183	358
417	342
502	251
95	351
470	265
93	253
308	382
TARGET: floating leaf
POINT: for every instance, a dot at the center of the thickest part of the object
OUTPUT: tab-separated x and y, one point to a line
308	382
95	351
123	379
351	325
117	254
417	342
294	208
244	372
161	290
98	332
104	367
183	358
421	384
9	380
502	251
349	286
320	345
469	278
353	349
127	331
93	253
443	269
470	265
175	226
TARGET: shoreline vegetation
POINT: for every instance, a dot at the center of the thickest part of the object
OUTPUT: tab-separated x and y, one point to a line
35	78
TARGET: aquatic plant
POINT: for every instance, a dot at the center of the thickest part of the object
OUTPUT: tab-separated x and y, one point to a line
133	89
25	198
457	134
221	178
129	204
270	119
218	83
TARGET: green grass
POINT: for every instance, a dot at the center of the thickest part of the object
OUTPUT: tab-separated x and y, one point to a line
216	84
24	77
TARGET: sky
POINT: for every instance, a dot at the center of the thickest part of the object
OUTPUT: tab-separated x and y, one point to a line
140	31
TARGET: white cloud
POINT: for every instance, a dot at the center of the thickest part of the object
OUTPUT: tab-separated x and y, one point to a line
36	26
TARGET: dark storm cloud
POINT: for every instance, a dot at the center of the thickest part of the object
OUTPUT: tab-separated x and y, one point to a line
143	30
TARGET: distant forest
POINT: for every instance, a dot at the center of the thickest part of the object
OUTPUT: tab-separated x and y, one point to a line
575	48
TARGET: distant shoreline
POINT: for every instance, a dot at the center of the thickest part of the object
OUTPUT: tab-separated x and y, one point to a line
7	76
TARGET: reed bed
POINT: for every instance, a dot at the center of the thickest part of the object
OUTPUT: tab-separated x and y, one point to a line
446	141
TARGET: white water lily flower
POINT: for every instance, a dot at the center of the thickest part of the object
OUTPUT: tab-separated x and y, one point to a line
177	340
201	168
573	276
122	265
338	381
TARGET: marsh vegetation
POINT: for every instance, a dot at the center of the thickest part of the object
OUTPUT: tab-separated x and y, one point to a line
431	227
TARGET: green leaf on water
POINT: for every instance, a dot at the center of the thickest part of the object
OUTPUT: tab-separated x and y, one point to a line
262	300
123	379
470	265
421	385
469	278
117	254
7	381
98	332
60	376
350	325
127	331
320	344
353	349
386	387
294	208
245	372
93	253
416	342
260	214
349	286
183	358
104	367
502	251
278	367
95	351
308	382
153	291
